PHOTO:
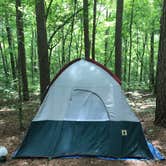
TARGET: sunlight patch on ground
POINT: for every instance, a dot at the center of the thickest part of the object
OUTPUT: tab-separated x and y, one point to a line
138	163
5	109
156	143
147	106
141	102
2	122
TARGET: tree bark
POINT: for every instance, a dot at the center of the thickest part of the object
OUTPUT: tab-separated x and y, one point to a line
21	50
42	47
118	38
94	29
160	112
86	29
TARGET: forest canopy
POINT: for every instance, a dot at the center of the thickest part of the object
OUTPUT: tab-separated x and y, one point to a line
65	39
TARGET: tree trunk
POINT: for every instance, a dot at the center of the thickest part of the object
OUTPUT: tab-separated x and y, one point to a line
94	29
4	63
81	38
20	99
21	50
118	38
9	37
160	113
151	62
106	42
63	47
86	29
72	28
106	47
142	58
125	61
137	55
35	54
32	56
77	41
42	47
130	41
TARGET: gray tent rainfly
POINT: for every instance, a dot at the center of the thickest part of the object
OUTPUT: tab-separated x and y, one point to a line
85	113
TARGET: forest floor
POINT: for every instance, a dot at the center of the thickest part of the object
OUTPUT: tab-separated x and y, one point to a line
10	135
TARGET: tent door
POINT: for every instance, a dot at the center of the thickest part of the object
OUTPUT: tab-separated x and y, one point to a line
85	105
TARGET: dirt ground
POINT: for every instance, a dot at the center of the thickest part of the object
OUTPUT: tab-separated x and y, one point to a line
10	135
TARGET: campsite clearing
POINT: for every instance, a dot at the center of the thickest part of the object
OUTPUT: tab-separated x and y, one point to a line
10	136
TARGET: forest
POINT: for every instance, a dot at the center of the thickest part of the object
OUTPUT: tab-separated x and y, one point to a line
39	37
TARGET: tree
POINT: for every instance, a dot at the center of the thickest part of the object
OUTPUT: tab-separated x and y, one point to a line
21	50
130	41
139	18
94	29
63	58
160	113
118	38
142	57
151	62
86	29
106	41
9	36
42	47
72	29
4	63
125	60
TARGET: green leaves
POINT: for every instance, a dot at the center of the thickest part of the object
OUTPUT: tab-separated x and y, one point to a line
146	19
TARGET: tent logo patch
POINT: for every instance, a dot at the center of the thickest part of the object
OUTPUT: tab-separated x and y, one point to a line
124	132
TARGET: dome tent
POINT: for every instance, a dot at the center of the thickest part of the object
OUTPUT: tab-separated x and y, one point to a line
85	113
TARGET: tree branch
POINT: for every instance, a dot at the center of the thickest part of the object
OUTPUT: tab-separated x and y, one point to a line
62	25
48	9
